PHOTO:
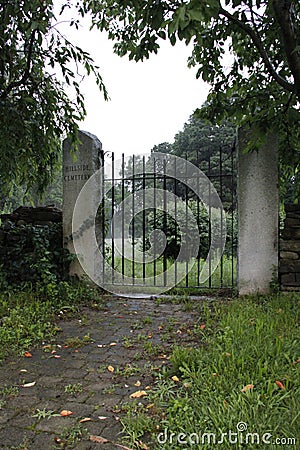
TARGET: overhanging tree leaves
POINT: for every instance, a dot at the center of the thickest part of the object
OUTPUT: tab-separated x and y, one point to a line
248	50
40	98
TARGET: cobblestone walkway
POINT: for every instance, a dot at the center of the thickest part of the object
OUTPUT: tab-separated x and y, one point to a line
90	369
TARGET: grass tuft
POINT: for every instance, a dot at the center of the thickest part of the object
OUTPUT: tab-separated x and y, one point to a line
245	370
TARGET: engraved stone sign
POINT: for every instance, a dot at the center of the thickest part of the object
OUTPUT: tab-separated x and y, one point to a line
77	169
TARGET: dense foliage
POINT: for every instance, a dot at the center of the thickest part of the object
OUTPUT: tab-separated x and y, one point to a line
212	149
35	255
40	97
247	50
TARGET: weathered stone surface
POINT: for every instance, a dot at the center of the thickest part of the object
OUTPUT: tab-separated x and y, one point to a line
291	233
290	250
291	208
292	245
293	215
289	266
291	288
289	255
258	209
288	278
27	214
76	172
292	222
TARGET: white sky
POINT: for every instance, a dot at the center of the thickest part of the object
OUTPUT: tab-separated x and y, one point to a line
150	100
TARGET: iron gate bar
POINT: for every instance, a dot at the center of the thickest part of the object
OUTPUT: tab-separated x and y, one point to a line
165	219
112	216
103	224
221	196
131	182
186	225
198	218
123	218
232	212
209	219
133	221
154	219
175	213
144	220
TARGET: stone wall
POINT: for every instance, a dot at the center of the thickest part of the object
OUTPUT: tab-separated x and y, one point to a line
30	238
289	268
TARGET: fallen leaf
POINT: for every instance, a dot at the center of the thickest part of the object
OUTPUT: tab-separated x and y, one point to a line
138	383
98	439
123	447
110	368
227	354
148	388
297	361
186	385
279	384
113	344
102	417
142	445
28	385
151	405
248	387
23	370
101	345
175	378
159	327
138	394
66	413
150	336
28	355
56	356
86	419
202	326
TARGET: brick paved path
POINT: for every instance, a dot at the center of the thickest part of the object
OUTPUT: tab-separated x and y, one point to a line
72	373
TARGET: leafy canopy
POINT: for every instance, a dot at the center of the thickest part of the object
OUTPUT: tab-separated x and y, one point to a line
40	98
247	50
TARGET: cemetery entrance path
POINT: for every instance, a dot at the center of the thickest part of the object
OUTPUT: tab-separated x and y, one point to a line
72	392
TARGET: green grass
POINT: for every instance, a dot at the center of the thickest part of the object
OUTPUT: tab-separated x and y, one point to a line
224	275
248	341
29	316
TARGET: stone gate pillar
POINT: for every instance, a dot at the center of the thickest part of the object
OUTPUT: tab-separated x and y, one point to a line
77	169
258	215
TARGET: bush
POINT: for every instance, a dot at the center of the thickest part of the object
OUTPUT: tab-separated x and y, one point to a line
34	253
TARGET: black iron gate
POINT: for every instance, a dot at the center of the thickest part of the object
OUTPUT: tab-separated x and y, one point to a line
145	209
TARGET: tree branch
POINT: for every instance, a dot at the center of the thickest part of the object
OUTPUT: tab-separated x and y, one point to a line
262	51
26	73
284	15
